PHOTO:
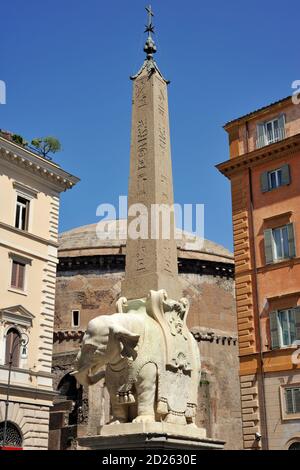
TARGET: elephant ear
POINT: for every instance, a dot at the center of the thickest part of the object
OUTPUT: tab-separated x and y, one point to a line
128	340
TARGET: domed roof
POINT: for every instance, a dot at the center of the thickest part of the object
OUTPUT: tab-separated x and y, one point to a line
109	237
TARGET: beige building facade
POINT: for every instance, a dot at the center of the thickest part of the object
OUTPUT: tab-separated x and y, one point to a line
30	188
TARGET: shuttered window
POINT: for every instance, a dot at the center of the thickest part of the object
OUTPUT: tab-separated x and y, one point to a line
273	179
292	400
279	243
271	131
284	327
18	275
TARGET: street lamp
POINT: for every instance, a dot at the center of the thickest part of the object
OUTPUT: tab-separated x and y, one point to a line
18	341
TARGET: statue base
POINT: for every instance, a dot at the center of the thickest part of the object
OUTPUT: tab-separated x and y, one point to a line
149	436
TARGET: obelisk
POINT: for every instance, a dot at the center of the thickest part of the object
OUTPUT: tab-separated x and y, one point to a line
152	360
151	260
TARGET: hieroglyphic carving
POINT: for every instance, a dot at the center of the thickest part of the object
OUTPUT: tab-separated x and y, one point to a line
167	259
162	136
163	141
140	257
161	98
140	92
142	150
141	184
164	188
142	144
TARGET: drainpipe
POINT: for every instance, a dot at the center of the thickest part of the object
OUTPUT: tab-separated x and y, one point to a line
265	441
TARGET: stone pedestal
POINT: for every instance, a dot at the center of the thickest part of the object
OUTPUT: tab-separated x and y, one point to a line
149	436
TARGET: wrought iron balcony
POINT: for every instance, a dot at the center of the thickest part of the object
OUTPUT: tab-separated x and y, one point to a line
271	137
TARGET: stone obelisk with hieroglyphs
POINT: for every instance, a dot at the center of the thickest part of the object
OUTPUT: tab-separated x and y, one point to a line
152	360
151	263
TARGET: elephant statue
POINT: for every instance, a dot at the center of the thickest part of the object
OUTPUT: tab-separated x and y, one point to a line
152	360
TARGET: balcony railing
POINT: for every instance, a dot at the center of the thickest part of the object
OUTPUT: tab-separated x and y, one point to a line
271	137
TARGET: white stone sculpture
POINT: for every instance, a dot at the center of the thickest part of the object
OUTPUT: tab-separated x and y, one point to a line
152	360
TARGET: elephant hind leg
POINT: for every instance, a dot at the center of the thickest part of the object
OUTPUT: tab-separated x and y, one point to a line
146	393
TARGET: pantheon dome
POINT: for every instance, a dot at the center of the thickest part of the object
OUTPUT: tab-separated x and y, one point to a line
90	271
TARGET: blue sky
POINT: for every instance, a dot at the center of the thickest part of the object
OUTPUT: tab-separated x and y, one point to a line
66	64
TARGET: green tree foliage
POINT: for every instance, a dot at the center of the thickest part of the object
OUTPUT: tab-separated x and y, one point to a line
18	139
46	145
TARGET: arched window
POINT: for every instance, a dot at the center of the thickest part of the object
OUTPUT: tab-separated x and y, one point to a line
295	446
13	435
13	339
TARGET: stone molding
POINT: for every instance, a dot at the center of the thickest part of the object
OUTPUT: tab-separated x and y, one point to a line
36	164
288	146
117	262
30	235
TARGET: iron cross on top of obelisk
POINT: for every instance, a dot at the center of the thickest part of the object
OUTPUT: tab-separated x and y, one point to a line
149	27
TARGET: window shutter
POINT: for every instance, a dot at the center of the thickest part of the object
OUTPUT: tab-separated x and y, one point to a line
289	400
297	321
297	400
268	246
260	130
274	330
281	125
285	175
14	274
264	182
291	239
21	276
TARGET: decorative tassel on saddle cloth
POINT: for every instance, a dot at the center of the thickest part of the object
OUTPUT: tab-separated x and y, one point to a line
125	397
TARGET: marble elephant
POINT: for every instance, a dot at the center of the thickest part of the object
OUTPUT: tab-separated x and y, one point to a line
152	360
121	342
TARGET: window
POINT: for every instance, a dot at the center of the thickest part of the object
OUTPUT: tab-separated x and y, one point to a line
75	318
271	131
295	446
18	275
275	178
12	347
22	213
279	243
292	400
13	436
285	327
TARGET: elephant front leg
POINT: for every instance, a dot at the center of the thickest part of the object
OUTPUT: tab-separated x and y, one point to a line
146	391
119	412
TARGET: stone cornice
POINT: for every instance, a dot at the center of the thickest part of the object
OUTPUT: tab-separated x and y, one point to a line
290	262
29	371
61	335
214	336
117	263
28	392
258	113
37	165
29	235
271	152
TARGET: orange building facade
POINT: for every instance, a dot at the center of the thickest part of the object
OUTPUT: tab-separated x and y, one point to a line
264	170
